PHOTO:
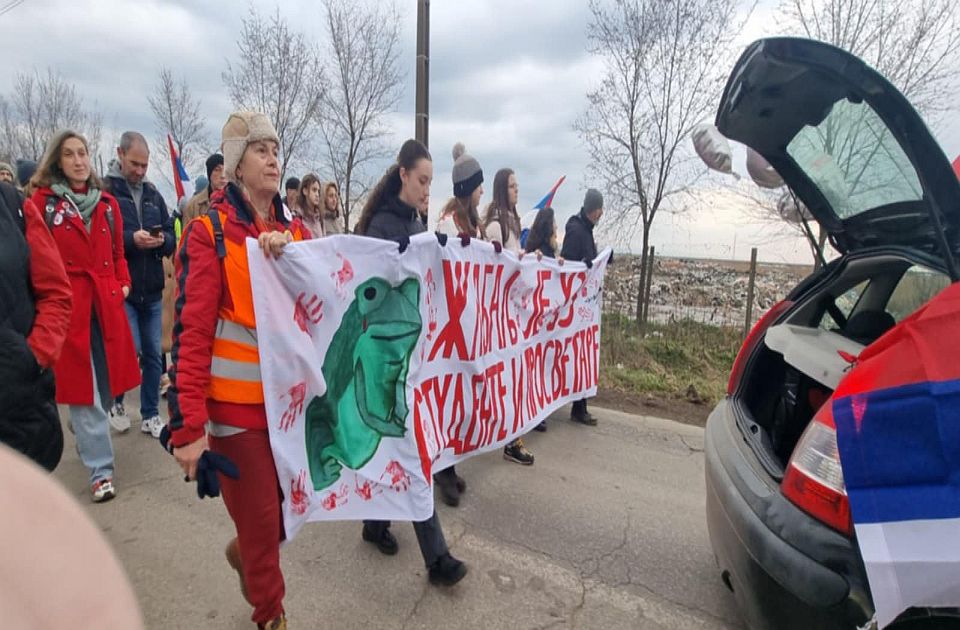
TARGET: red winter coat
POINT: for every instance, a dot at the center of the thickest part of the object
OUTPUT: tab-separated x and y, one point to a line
97	270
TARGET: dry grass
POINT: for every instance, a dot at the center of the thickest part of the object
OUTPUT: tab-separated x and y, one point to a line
668	360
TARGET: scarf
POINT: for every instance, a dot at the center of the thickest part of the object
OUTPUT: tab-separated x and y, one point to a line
84	202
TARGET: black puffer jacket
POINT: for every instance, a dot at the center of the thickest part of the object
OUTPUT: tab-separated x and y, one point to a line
395	220
578	243
29	421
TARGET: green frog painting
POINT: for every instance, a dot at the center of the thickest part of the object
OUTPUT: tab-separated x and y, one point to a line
365	369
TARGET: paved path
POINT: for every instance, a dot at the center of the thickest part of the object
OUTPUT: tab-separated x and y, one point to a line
606	530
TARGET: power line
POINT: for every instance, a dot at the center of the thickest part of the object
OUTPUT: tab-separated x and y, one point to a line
10	6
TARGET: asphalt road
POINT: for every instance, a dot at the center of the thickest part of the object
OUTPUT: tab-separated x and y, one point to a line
606	530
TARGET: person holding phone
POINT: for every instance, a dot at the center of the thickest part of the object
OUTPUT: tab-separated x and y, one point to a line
148	237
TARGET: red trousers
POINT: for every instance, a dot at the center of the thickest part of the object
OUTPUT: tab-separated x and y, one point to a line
253	502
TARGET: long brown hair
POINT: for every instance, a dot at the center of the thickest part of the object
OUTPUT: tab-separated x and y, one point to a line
465	216
49	171
542	231
308	180
390	184
500	209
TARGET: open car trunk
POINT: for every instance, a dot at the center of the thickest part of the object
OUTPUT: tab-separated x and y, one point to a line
803	357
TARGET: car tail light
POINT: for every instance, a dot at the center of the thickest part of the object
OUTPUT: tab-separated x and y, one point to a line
756	334
814	480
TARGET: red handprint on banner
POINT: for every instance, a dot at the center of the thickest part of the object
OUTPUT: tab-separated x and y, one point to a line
431	306
399	479
299	500
306	313
333	500
297	395
365	490
343	275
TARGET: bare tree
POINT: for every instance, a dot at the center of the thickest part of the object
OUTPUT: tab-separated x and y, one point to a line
278	73
915	45
364	45
664	68
177	112
39	105
780	214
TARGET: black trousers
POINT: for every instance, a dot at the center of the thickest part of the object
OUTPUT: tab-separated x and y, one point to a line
429	536
579	407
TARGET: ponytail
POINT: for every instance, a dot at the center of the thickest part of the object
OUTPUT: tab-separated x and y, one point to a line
390	184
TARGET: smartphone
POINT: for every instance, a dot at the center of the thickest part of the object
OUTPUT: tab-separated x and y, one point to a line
155	230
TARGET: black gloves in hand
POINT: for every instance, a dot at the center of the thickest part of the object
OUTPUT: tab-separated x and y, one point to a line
208	484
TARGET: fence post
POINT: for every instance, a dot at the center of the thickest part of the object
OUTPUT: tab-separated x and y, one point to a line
646	289
753	278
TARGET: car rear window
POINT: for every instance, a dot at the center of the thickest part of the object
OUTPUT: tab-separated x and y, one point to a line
845	303
855	161
917	287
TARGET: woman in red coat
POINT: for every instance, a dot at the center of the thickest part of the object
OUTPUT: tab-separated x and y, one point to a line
98	361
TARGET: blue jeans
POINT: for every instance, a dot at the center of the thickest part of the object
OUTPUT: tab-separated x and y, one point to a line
145	325
93	436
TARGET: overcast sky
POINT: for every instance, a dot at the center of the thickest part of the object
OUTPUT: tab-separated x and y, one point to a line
508	79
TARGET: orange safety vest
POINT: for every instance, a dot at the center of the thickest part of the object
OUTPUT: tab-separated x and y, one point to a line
235	368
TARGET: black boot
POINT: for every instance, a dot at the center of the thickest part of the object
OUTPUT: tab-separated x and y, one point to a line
383	539
447	571
579	413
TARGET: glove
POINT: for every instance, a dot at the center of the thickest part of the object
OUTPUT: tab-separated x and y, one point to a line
208	484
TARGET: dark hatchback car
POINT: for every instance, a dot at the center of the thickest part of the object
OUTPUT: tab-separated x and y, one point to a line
859	157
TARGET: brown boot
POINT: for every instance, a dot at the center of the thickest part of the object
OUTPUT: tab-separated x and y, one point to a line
233	559
280	623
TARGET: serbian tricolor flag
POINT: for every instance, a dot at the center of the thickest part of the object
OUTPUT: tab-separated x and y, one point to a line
897	416
179	173
526	222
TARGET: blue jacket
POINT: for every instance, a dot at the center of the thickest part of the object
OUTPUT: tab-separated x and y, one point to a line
146	265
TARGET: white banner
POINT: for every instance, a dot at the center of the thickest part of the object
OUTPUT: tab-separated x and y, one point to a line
380	368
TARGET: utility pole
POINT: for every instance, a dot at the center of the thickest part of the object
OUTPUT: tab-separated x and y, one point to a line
423	72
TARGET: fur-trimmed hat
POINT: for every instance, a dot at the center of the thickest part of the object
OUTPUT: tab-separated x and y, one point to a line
467	174
241	129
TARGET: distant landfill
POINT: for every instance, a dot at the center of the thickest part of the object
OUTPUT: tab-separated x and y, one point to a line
707	291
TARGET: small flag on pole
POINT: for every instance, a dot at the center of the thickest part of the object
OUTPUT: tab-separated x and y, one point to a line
179	174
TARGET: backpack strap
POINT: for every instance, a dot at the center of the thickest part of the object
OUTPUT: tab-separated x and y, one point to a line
214	217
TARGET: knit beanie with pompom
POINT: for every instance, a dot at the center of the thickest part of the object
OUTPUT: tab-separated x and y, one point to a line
467	174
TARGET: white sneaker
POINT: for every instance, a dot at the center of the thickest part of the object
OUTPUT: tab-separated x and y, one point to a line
103	490
153	426
119	419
